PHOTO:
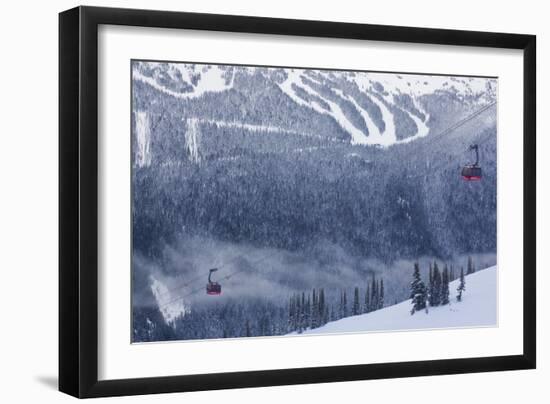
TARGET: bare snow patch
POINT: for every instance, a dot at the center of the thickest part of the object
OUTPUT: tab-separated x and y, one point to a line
211	80
143	139
170	307
192	140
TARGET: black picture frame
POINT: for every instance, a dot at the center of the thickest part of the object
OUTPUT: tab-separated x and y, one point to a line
78	201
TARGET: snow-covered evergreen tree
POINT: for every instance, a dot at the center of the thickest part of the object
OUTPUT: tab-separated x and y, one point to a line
292	313
471	267
306	311
445	286
461	286
345	304
341	313
430	284
374	294
300	313
356	306
435	287
366	306
323	309
418	291
381	295
314	312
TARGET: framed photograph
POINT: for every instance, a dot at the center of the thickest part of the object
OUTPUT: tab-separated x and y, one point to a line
251	201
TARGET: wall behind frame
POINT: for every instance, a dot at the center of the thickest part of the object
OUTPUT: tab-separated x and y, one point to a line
28	207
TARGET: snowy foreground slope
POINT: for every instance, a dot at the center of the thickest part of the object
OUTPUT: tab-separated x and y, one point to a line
477	308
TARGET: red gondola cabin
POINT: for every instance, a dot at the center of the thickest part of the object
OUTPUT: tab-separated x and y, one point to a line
472	172
213	288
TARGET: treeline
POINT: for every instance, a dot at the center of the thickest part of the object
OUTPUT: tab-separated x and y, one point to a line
255	317
437	292
250	317
311	310
308	312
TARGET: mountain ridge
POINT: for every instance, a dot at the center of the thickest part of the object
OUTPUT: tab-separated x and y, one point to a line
370	108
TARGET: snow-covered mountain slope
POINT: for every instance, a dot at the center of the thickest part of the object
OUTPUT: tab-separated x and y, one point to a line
354	100
477	308
371	108
183	80
418	85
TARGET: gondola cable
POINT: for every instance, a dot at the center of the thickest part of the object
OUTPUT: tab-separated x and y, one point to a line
200	277
196	290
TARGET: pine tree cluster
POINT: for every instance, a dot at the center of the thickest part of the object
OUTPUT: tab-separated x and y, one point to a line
374	296
437	292
311	310
438	285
